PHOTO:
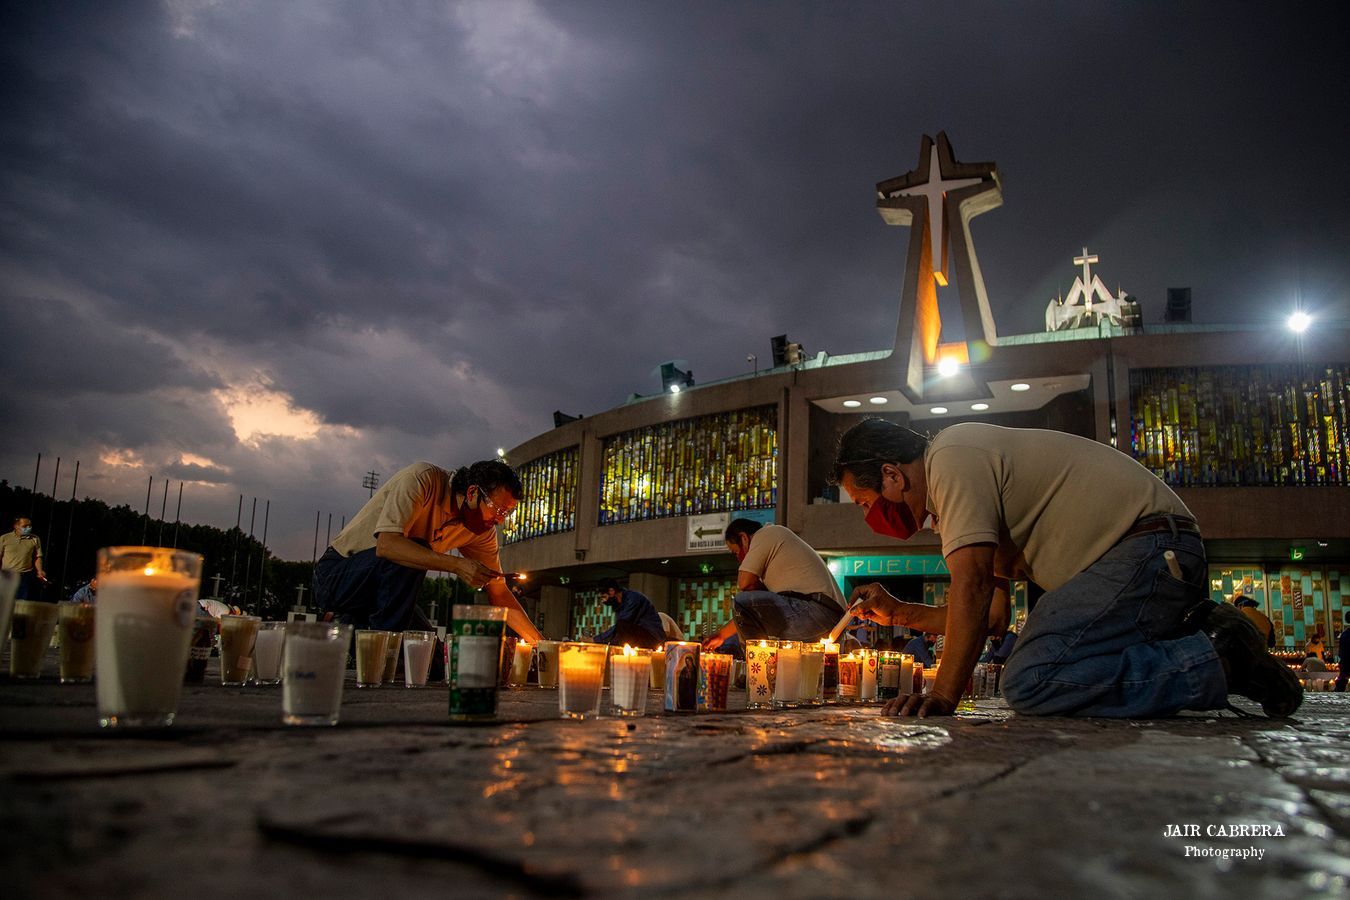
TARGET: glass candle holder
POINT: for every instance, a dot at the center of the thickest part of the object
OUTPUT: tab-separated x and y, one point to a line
370	652
829	671
761	670
393	642
630	672
30	635
714	681
76	626
314	666
906	674
888	675
521	657
658	659
867	686
474	660
267	650
850	676
682	676
811	675
581	675
547	656
787	686
147	600
418	647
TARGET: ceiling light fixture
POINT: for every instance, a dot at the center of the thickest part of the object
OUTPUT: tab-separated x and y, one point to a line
879	400
938	410
1021	386
853	404
979	407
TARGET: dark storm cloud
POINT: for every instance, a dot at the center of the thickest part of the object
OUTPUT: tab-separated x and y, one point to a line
435	223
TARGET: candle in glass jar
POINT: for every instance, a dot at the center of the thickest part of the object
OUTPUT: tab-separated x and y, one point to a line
811	672
658	658
906	674
787	688
849	674
867	687
829	684
888	675
547	654
629	673
520	664
581	669
761	665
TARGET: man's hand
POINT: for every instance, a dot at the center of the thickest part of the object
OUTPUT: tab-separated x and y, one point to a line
712	643
872	601
472	572
921	705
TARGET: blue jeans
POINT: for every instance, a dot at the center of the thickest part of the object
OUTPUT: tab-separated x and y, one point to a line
1110	641
789	616
369	592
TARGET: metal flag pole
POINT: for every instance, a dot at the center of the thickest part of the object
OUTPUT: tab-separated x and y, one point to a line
248	564
32	495
163	512
315	560
70	528
145	517
177	516
234	558
262	567
52	514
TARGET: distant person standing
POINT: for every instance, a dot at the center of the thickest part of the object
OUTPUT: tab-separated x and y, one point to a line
21	553
1247	606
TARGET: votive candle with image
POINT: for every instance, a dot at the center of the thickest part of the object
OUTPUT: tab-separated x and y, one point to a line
547	655
850	672
761	669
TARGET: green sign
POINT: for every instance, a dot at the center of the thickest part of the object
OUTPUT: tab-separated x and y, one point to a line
1297	553
887	566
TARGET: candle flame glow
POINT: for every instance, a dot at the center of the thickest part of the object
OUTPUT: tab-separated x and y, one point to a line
629	651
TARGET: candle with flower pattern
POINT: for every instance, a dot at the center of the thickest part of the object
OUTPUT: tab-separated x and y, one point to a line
761	667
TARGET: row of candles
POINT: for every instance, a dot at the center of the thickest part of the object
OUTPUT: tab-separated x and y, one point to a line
779	674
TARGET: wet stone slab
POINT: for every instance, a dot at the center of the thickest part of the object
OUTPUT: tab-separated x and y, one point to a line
797	803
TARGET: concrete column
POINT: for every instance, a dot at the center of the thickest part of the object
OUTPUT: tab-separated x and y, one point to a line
588	491
794	453
657	588
555	605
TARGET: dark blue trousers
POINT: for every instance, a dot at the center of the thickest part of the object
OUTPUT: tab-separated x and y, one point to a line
369	592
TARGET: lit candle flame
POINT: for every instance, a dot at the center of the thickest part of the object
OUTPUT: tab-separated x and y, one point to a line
629	651
523	643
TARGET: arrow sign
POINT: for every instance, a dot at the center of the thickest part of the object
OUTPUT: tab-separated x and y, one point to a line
705	533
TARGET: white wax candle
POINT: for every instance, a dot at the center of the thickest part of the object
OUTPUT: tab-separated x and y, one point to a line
580	677
659	669
787	689
141	638
631	672
868	689
906	674
520	664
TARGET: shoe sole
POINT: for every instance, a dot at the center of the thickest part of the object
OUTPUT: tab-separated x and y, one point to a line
1268	673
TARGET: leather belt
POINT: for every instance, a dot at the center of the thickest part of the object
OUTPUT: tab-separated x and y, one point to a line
1161	524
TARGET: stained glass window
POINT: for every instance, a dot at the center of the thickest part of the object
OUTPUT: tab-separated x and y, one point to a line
550	504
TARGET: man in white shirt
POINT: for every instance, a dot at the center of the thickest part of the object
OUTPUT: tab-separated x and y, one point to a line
785	590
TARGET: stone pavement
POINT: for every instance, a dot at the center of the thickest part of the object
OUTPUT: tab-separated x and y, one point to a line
396	801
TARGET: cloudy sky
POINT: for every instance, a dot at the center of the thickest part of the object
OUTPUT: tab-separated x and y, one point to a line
262	247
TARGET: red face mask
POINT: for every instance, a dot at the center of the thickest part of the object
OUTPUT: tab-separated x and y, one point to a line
891	519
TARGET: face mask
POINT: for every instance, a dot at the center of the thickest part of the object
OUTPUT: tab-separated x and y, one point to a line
26	530
891	519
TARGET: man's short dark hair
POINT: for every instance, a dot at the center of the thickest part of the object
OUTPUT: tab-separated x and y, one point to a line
739	527
607	583
865	447
488	474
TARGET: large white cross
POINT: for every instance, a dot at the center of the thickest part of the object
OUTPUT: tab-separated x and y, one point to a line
1086	262
935	189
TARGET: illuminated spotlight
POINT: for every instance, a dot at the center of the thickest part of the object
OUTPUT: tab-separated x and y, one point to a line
674	388
1021	386
878	400
1299	321
501	451
938	410
947	367
853	404
979	407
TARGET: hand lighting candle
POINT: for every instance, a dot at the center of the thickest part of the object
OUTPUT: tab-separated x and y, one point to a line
630	672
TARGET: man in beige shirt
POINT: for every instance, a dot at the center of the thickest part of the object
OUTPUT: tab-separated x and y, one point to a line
784	588
371	574
21	553
1126	627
